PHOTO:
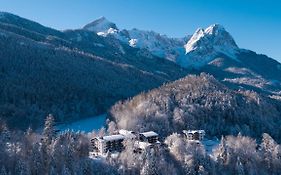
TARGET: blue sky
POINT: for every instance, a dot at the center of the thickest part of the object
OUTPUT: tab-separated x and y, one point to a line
254	24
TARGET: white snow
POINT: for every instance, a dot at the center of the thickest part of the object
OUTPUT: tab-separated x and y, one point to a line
107	32
195	38
113	137
241	71
127	134
149	134
159	45
133	42
195	131
214	29
195	51
204	45
85	125
258	82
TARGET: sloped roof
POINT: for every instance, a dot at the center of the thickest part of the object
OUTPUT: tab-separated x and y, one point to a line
114	137
149	134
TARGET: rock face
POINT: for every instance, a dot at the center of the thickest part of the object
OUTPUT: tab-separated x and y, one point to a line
205	45
157	44
100	25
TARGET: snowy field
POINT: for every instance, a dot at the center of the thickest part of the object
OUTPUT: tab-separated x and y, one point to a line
84	125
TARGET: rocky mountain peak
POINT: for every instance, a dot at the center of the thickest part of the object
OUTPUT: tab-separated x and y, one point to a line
100	25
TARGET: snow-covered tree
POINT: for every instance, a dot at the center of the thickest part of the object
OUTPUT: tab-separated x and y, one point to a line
49	131
112	127
221	152
270	152
150	166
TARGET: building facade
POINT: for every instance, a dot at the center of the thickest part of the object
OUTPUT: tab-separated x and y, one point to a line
112	143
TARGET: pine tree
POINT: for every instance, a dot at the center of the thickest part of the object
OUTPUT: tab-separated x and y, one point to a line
269	150
221	152
48	136
49	132
112	127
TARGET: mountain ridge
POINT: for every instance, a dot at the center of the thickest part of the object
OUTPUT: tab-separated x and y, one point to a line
214	32
200	50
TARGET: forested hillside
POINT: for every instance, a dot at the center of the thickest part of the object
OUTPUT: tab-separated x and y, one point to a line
70	74
200	102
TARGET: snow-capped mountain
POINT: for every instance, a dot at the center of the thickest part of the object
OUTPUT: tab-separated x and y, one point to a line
195	51
206	44
215	37
211	50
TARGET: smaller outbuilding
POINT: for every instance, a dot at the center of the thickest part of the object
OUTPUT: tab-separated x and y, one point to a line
194	134
150	137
